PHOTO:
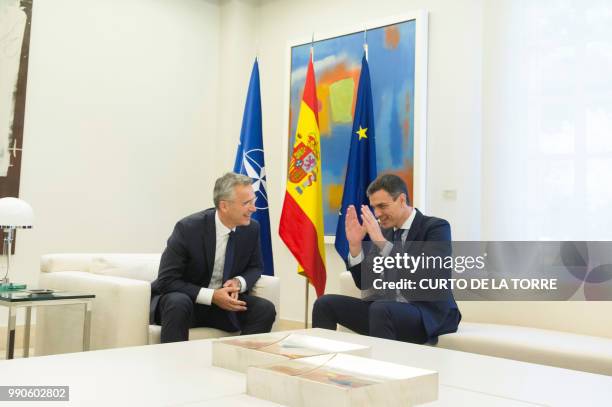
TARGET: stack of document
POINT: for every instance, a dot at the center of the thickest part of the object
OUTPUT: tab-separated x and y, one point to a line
341	380
240	353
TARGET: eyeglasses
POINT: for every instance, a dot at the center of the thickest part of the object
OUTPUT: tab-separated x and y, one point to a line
249	202
245	203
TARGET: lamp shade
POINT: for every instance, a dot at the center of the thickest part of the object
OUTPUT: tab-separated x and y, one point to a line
15	213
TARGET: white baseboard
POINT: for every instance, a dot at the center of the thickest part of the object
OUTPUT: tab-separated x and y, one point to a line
288	324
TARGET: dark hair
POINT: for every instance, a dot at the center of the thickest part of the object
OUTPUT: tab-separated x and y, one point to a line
390	183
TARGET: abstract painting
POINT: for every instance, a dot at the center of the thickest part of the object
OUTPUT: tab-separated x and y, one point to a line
395	53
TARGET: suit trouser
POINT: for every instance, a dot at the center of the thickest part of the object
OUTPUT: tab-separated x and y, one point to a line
383	319
176	313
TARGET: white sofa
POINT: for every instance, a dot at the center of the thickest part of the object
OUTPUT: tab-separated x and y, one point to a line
120	315
570	334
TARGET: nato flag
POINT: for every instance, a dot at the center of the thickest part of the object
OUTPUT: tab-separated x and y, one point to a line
361	167
250	162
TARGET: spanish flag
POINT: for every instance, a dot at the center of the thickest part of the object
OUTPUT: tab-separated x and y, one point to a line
301	222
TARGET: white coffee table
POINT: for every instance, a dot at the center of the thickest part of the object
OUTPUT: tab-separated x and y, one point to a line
180	374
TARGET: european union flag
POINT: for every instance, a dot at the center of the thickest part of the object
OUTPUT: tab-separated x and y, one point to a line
250	162
361	167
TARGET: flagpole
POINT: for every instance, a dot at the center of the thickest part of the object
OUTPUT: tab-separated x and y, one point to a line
296	207
365	42
306	305
312	48
306	279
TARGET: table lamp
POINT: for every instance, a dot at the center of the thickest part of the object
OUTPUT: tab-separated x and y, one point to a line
14	214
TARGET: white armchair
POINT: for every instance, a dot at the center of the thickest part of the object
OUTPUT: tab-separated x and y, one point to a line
120	315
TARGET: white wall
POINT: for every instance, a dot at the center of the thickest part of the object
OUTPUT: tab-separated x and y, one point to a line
122	109
237	48
134	108
547	120
454	110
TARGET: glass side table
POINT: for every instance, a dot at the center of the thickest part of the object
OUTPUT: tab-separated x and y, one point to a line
27	300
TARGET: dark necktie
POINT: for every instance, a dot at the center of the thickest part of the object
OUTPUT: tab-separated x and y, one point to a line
397	235
398	245
227	269
229	257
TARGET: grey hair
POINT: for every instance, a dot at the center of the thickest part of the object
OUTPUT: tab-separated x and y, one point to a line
224	186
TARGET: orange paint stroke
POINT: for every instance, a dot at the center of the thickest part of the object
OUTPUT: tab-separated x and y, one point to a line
324	109
406	124
392	37
407	174
335	197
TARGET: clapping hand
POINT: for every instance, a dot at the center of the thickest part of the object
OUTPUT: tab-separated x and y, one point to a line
370	223
355	232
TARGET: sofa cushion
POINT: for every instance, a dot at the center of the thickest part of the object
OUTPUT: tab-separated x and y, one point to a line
51	263
143	266
542	346
587	317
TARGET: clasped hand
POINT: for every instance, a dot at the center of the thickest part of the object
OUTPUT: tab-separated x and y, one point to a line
355	232
227	297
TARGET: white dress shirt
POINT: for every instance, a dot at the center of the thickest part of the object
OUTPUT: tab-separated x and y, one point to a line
353	261
216	280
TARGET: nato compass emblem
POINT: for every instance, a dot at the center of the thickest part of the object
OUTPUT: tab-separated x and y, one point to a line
252	162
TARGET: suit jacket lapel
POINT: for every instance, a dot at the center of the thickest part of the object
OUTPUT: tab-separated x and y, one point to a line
388	234
415	228
210	241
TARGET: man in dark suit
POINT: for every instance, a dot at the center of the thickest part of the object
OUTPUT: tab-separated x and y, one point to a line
212	260
398	318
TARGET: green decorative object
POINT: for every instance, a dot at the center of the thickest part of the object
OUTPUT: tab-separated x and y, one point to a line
12	287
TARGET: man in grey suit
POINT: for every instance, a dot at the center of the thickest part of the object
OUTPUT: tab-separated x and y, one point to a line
212	260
